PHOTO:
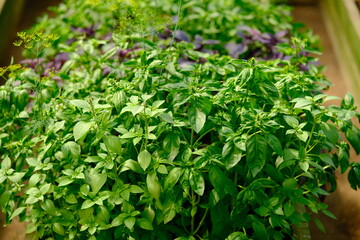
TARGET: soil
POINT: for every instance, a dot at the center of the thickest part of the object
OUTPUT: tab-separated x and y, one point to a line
344	202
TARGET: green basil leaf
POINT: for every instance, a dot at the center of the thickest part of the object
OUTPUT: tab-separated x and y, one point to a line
153	185
292	121
353	139
81	129
330	131
274	143
112	143
171	145
95	180
256	153
144	159
221	182
80	103
144	223
130	222
131	165
197	182
197	118
260	230
6	163
172	178
17	212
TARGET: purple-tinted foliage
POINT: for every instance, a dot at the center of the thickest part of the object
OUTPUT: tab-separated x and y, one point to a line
184	62
58	61
165	34
87	31
32	63
106	71
181	36
257	44
236	49
123	53
107	37
200	42
306	67
40	65
70	41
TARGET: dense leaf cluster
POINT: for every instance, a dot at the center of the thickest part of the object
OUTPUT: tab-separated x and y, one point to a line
156	133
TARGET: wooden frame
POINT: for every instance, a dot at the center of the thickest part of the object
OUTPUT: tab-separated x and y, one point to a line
342	18
10	13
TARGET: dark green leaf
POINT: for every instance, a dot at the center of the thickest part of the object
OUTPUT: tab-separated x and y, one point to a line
221	182
289	185
172	178
354	177
220	219
130	222
329	214
274	143
95	180
59	229
144	223
319	225
197	118
260	230
256	153
231	154
171	145
112	143
353	139
289	209
131	165
330	131
49	206
144	159
153	185
237	236
197	182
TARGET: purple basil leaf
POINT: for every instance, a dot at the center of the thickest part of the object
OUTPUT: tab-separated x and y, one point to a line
106	71
235	49
32	63
281	34
211	42
181	36
183	62
249	30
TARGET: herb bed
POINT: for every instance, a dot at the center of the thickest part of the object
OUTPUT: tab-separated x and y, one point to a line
167	129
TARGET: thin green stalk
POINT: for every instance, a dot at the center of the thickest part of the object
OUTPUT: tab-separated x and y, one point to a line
193	204
192	138
199	138
310	136
201	221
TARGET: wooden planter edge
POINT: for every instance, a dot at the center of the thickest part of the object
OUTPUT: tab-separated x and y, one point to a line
10	14
342	19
